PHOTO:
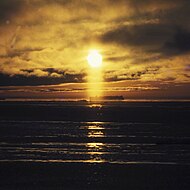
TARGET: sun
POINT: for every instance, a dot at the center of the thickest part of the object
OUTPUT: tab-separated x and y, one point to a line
94	59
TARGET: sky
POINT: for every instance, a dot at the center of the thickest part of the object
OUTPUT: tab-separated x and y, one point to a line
145	46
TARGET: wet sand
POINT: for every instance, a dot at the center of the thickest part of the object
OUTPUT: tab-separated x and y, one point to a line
93	176
131	146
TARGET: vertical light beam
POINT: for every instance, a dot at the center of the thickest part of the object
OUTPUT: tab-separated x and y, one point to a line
95	78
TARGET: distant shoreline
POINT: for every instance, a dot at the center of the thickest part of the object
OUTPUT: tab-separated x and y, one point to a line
88	101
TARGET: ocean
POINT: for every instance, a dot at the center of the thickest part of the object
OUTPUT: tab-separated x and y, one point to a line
83	145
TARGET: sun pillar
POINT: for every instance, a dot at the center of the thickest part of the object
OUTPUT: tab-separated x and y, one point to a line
95	78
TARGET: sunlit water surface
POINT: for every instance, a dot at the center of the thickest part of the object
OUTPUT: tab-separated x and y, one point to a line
94	142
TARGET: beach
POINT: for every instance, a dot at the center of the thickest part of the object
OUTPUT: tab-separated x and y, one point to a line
93	176
79	145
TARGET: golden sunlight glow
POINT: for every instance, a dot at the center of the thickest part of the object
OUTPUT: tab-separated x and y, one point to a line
95	75
95	82
95	149
94	59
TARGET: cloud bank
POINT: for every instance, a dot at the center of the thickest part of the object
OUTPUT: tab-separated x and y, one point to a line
46	42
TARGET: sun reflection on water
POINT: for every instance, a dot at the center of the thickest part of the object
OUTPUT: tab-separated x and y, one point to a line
95	106
91	127
95	134
95	149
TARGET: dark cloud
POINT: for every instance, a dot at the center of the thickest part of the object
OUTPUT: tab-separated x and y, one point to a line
165	39
116	58
144	60
9	8
11	53
180	42
176	16
128	76
62	89
20	80
6	89
124	77
156	26
139	35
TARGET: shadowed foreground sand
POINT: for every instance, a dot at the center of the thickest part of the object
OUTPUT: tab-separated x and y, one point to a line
93	176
